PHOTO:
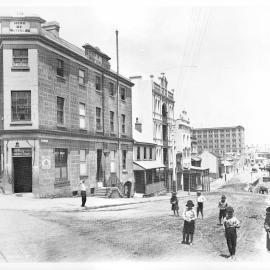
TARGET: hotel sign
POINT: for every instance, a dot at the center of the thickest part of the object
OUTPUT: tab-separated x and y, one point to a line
21	152
19	27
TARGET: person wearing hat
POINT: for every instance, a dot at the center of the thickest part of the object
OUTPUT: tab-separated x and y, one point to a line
200	200
174	203
231	223
222	205
83	193
189	216
267	228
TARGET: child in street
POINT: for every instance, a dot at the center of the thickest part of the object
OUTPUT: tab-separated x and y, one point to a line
200	200
174	203
189	216
83	193
267	228
222	205
231	223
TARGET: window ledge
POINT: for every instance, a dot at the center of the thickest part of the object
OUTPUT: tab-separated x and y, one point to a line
61	183
98	92
124	171
82	85
61	126
83	177
83	130
21	123
113	134
99	132
111	96
20	68
123	100
60	78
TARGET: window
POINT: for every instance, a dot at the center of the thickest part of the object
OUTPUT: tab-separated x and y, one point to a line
124	159
123	123
112	156
98	118
123	93
20	57
112	121
98	83
60	68
82	115
81	76
83	166
60	156
150	153
60	110
144	153
20	105
138	153
111	89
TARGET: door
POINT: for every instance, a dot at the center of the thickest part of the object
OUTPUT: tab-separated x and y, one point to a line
22	174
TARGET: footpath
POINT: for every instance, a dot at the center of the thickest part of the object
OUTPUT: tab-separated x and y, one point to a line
26	202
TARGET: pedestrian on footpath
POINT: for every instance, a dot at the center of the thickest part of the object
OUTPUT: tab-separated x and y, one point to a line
83	193
189	216
222	205
231	223
267	228
174	203
200	200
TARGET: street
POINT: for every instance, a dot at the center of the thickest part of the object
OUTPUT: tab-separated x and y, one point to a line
147	232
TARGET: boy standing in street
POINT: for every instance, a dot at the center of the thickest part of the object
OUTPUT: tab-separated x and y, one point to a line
231	223
267	228
174	203
83	193
200	200
222	205
189	216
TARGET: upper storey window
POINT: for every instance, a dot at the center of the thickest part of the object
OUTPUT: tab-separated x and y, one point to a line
123	93
60	68
81	76
20	105
98	83
20	57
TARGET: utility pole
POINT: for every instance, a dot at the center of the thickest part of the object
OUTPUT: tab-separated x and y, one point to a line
117	96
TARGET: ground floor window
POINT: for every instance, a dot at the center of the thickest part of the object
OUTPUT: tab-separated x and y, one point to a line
112	157
124	159
83	164
61	172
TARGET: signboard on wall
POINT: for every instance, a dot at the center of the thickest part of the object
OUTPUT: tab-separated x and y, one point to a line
19	27
21	152
46	163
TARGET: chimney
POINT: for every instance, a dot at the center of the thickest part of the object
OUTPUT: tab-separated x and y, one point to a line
138	125
52	27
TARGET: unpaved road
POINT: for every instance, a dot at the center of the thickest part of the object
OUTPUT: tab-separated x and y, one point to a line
145	232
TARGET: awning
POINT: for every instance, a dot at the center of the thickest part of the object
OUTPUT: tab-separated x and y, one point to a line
196	158
147	165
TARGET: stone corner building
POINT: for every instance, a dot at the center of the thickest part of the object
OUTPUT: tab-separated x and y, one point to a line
64	114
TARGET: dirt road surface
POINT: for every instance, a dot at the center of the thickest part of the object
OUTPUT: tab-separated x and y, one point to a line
145	232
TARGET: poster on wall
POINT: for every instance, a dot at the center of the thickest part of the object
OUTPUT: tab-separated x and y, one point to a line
46	162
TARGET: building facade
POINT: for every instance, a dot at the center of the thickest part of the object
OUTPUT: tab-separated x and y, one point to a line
221	141
153	105
64	114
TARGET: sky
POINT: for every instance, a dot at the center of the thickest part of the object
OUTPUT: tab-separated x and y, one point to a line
215	57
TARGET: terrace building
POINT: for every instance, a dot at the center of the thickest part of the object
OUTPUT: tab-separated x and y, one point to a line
64	114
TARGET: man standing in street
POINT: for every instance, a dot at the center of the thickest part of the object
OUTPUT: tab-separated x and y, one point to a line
83	193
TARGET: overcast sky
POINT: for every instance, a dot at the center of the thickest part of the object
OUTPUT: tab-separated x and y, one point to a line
216	58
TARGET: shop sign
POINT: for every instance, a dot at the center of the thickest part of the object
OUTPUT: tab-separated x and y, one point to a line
25	152
46	163
19	27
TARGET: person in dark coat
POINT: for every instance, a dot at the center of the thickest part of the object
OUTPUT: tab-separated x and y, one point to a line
174	203
189	216
267	228
222	205
231	223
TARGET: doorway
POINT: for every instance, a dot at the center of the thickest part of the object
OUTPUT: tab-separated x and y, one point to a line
22	174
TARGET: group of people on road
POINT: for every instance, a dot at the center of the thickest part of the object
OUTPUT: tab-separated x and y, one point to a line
226	218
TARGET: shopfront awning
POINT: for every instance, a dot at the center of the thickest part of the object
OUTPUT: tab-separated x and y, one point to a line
147	165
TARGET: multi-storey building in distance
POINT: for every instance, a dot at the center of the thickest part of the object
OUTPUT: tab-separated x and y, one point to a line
64	114
221	140
153	105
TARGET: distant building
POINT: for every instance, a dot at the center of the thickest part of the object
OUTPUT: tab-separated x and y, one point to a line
221	140
212	162
153	105
62	117
188	177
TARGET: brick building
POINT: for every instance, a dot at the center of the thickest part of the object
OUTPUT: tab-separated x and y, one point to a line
64	114
221	140
153	105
